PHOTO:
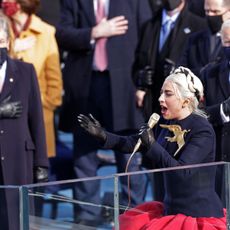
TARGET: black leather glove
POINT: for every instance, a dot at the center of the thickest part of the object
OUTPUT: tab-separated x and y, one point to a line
169	66
147	136
41	174
145	78
92	126
10	109
226	107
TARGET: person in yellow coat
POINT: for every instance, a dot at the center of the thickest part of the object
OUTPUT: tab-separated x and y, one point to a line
34	41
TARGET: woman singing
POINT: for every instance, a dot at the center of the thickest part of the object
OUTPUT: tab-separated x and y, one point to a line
190	200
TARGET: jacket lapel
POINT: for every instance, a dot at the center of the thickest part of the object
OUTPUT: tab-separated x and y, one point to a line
224	79
10	80
88	9
204	44
116	8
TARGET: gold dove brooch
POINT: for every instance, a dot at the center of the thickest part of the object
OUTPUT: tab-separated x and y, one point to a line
178	135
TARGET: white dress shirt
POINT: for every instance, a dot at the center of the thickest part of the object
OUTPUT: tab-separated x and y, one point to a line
2	74
224	117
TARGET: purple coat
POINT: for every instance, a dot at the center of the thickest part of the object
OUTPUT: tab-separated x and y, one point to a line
22	140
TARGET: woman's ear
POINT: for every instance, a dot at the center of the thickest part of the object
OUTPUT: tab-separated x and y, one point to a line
185	103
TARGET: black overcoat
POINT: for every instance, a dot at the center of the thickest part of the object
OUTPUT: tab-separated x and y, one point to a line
22	140
74	34
217	89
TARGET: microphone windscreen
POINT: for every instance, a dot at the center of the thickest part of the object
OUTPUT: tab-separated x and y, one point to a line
153	120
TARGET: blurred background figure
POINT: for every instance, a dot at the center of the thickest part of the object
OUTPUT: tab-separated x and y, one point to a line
156	5
100	37
195	6
160	48
34	41
216	80
49	11
205	46
22	144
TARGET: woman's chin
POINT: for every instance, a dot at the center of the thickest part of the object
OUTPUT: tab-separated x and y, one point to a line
166	116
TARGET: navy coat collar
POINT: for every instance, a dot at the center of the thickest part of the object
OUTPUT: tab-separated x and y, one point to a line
224	78
10	79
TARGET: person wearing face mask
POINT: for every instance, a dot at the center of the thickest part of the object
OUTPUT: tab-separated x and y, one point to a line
187	204
197	7
216	80
160	48
34	41
204	47
22	143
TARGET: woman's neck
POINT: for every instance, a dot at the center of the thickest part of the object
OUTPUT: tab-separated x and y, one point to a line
184	113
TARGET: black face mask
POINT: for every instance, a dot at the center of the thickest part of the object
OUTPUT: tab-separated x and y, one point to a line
3	55
170	5
214	23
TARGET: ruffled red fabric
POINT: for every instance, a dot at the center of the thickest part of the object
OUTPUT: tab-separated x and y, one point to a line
149	216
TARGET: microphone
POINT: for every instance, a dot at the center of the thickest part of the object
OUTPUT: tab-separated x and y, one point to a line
152	122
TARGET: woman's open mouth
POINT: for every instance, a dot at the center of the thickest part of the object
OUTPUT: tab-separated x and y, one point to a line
163	110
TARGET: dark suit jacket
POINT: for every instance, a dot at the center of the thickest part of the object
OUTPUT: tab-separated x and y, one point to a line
73	34
184	191
49	11
216	87
196	54
148	52
22	142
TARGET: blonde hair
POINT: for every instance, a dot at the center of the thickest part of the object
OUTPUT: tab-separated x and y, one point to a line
5	25
189	87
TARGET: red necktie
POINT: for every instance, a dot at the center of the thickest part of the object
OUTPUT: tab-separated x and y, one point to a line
100	48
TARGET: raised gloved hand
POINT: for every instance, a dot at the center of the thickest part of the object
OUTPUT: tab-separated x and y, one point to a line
226	107
41	174
92	126
147	136
10	109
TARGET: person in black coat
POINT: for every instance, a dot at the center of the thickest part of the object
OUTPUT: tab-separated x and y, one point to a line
161	57
22	143
204	47
216	82
49	11
197	203
197	7
108	93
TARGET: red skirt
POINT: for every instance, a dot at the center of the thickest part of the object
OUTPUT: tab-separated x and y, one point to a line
149	216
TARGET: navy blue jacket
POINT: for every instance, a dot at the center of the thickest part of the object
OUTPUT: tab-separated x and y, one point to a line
189	191
216	89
